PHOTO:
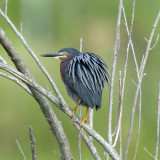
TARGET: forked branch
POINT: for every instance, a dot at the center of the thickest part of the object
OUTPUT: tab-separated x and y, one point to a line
141	74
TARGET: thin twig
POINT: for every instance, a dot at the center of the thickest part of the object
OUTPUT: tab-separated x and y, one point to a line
125	72
149	153
131	43
6	4
158	118
80	114
120	142
56	155
21	27
91	111
26	80
120	94
17	81
34	57
2	60
149	44
116	48
88	143
20	149
33	143
139	123
155	43
117	129
139	84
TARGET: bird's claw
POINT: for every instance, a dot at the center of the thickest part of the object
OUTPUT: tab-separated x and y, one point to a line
83	120
73	111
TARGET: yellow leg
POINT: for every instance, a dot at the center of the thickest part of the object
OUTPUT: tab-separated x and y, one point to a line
74	109
85	118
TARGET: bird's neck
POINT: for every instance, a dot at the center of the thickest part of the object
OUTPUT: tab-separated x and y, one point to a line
64	62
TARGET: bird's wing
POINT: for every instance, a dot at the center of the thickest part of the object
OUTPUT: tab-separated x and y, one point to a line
85	76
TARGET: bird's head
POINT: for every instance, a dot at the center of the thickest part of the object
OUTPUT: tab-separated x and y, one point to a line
62	53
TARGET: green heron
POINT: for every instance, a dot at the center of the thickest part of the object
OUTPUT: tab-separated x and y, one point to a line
84	75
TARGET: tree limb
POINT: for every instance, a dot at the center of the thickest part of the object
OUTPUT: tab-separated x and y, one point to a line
17	81
33	143
47	110
88	143
158	118
141	74
116	48
111	151
24	157
34	56
45	106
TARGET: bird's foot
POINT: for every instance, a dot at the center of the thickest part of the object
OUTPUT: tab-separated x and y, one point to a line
73	111
83	120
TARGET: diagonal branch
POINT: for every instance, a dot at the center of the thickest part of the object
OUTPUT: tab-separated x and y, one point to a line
55	124
24	157
34	56
158	118
6	4
139	124
139	83
116	48
17	81
111	151
131	43
125	72
33	143
88	143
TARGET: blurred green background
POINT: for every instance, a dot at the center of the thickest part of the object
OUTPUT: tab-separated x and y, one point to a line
49	25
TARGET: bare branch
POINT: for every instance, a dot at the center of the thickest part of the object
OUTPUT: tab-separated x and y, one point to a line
88	143
158	119
117	129
2	60
6	4
124	76
56	155
155	43
56	126
139	84
21	27
91	111
28	81
116	48
80	114
120	142
139	123
131	43
34	57
149	44
33	143
20	149
17	81
149	153
111	151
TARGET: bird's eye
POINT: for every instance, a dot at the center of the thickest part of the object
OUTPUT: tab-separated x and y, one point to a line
64	53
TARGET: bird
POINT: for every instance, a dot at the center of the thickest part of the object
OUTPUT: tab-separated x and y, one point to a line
84	76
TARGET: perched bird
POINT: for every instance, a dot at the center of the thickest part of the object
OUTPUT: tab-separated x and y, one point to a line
84	75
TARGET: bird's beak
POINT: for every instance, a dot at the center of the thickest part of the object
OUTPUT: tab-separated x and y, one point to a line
55	55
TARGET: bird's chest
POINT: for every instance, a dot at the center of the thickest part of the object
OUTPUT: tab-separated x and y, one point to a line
63	66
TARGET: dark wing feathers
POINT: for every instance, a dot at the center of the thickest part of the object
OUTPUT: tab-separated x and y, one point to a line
85	76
